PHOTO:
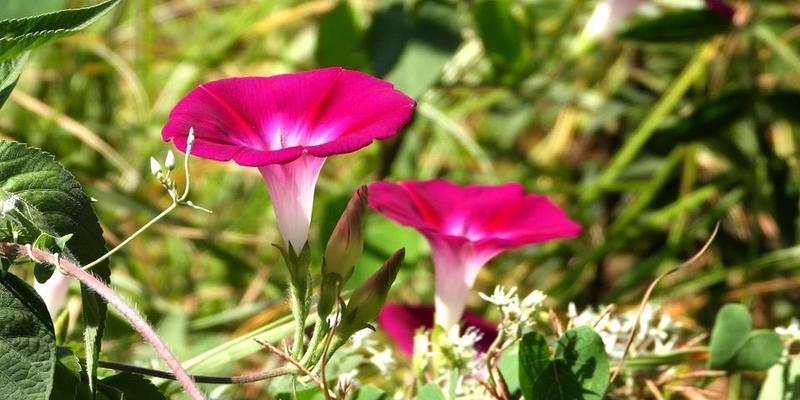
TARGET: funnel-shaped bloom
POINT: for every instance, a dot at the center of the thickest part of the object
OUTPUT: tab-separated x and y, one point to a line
466	227
401	321
286	125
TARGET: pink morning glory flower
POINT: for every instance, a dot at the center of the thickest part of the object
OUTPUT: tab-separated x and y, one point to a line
401	321
466	227
287	125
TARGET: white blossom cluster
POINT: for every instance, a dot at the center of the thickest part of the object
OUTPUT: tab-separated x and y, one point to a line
657	332
791	332
380	356
516	313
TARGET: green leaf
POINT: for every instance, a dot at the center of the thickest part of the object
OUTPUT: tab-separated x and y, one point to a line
27	342
760	350
67	378
430	392
579	369
19	35
499	32
58	206
370	392
340	38
735	346
10	71
132	387
679	26
731	327
508	364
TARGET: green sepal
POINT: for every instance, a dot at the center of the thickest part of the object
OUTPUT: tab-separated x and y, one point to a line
367	300
328	294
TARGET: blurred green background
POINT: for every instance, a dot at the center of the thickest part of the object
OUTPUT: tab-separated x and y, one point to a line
647	139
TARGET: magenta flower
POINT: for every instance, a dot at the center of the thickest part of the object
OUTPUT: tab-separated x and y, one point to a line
286	125
466	227
401	321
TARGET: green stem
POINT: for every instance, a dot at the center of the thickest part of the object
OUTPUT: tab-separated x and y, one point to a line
297	298
735	386
316	337
131	237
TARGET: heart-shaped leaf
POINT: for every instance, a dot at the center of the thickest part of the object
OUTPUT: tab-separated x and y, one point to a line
55	203
131	387
27	342
735	346
579	369
19	35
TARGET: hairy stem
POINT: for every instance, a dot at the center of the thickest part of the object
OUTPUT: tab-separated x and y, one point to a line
297	298
134	318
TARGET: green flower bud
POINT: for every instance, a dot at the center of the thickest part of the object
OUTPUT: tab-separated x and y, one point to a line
367	301
347	240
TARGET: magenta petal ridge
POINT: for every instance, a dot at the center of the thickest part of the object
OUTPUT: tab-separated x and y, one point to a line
467	226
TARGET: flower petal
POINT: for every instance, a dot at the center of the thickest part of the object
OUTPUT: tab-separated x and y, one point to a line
400	321
257	121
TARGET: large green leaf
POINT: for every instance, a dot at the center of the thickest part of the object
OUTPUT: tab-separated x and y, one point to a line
579	369
27	342
58	206
430	392
10	71
19	35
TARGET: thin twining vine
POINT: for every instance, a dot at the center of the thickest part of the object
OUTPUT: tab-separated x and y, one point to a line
163	176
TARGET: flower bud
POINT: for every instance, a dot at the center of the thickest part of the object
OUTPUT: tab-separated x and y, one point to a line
367	301
169	161
347	240
155	166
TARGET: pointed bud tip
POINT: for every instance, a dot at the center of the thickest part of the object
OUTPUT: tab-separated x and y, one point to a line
169	161
155	166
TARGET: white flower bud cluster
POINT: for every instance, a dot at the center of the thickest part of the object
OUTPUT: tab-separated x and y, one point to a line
790	333
516	313
656	333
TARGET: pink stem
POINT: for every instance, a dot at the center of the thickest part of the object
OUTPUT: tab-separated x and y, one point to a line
134	318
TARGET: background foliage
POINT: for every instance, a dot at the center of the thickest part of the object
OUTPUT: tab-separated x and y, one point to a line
646	140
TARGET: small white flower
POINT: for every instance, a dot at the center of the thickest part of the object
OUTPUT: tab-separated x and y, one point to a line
500	297
790	332
9	204
383	360
361	338
155	166
534	300
169	161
